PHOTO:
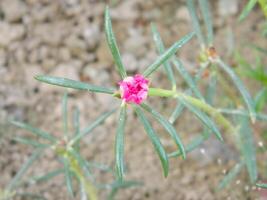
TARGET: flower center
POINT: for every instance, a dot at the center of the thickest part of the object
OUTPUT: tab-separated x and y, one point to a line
134	89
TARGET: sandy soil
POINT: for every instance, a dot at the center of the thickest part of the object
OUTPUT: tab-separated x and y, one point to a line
66	38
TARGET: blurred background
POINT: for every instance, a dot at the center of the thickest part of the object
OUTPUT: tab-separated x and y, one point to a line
65	38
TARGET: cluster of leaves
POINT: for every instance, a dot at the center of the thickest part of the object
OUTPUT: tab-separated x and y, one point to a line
250	5
67	148
242	130
256	72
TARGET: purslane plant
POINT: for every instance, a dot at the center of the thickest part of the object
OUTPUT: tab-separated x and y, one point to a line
240	128
67	150
135	89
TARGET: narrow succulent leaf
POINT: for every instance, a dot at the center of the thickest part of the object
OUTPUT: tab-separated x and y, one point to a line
180	107
125	184
196	26
48	176
82	163
261	99
65	113
167	54
155	140
195	143
211	90
76	124
68	180
239	112
205	10
189	80
99	166
111	40
119	144
68	83
177	112
92	126
248	149
17	178
33	130
203	117
262	185
30	142
161	50
230	176
168	127
240	86
249	6
263	5
121	185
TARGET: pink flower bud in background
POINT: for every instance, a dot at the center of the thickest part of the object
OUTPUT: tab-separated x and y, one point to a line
134	89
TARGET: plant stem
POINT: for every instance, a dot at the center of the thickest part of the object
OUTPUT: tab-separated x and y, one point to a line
213	112
88	187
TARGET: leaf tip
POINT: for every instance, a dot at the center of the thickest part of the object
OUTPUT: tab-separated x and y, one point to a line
38	77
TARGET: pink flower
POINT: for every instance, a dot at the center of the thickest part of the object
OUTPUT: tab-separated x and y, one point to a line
134	89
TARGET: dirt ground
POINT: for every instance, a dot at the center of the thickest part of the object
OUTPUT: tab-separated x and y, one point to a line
65	38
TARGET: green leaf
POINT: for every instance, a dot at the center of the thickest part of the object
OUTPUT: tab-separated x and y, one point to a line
230	176
262	185
161	49
119	144
205	10
68	83
203	117
240	86
30	142
121	185
261	99
92	126
68	179
82	163
15	181
212	88
238	112
167	54
195	21
76	124
168	127
125	184
177	112
248	149
195	143
33	130
184	73
111	40
65	113
46	177
249	6
99	166
154	139
180	107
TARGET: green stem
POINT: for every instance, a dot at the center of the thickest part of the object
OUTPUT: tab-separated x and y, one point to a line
88	186
161	92
213	112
